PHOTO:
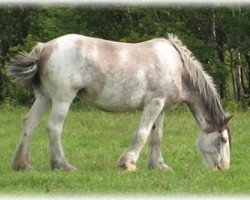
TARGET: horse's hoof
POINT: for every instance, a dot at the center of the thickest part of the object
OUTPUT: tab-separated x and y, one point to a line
165	168
126	163
130	167
162	167
63	166
21	166
69	168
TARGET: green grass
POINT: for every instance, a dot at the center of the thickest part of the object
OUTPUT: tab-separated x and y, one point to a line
93	141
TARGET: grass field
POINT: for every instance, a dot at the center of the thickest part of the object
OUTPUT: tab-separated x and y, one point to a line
93	141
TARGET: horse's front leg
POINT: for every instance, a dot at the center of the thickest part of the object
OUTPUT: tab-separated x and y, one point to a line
150	113
155	157
30	123
54	128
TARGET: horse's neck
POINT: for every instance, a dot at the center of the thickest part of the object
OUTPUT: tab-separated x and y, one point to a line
199	111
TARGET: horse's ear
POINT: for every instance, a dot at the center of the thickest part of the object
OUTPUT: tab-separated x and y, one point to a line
227	119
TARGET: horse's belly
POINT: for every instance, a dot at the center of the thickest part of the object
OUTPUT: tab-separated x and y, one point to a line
120	100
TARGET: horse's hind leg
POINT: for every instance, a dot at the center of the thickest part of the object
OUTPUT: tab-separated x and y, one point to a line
30	123
54	127
150	113
155	157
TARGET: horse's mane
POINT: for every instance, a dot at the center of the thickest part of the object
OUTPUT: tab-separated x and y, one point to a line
201	80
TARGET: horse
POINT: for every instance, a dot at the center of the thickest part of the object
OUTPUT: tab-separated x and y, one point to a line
153	76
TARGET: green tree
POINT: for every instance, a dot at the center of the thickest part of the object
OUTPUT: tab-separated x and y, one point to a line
218	36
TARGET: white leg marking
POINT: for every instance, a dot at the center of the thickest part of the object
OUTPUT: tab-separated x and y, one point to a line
155	157
30	123
150	113
54	128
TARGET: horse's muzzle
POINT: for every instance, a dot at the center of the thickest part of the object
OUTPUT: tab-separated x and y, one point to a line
224	165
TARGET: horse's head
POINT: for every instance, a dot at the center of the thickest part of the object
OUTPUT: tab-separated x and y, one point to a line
215	146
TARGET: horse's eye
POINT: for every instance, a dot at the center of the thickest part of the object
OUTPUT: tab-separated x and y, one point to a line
224	140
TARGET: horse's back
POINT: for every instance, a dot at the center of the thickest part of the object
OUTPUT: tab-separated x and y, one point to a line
114	75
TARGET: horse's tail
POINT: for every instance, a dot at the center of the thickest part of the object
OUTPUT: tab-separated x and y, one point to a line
23	67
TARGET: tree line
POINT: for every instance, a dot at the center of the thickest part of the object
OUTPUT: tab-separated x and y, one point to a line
217	36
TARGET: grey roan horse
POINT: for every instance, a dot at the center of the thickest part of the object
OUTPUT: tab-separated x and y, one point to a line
152	75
